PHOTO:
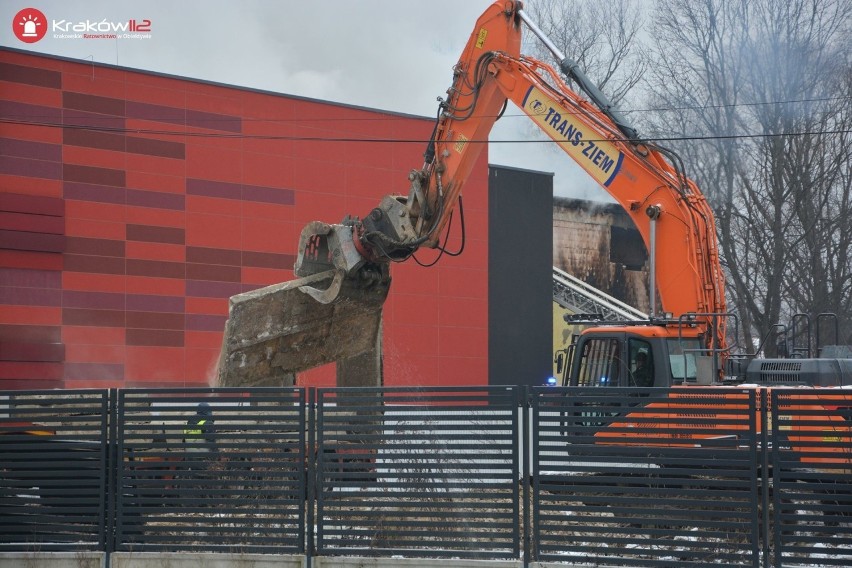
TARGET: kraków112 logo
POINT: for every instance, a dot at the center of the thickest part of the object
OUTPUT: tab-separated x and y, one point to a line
29	25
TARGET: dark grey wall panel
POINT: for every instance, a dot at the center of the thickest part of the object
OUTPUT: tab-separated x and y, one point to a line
520	288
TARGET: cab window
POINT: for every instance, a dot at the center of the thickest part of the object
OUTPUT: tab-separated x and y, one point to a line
599	363
682	354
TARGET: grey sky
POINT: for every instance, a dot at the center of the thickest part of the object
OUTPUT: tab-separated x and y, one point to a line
392	55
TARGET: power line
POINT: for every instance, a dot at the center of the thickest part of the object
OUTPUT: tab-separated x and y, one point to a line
391	117
287	138
734	105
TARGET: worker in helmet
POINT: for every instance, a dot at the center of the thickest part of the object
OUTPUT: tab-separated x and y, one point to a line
200	442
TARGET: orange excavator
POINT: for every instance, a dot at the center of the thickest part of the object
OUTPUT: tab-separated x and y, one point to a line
333	310
344	266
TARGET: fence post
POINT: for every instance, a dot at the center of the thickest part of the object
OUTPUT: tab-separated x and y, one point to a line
765	479
310	475
526	448
776	478
111	473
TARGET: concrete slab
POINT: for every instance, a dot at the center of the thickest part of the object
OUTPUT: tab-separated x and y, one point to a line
274	332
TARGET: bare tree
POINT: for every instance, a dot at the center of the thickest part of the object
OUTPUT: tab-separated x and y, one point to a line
821	166
752	88
603	38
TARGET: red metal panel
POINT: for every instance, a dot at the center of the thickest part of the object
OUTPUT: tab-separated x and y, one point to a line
205	322
155	199
155	303
93	300
154	338
213	272
214	231
217	306
35	352
32	223
205	255
214	164
30	333
112	372
209	341
30	75
267	276
21	240
31	186
93	139
91	353
201	364
93	336
156	164
155	181
155	234
148	270
268	259
162	148
30	149
155	268
30	168
156	251
150	285
155	217
93	103
30	260
93	227
94	282
88	174
98	264
35	371
154	320
93	317
157	112
153	363
99	247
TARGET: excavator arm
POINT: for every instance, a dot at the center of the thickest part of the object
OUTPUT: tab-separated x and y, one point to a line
345	266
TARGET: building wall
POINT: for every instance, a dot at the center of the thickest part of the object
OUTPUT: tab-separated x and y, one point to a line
132	205
599	244
520	289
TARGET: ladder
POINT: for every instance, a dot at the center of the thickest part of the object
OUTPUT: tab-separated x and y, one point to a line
578	297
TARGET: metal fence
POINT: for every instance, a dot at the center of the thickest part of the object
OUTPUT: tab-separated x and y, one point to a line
229	475
616	477
811	478
419	472
53	470
626	480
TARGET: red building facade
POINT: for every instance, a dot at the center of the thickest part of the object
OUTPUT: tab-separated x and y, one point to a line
133	205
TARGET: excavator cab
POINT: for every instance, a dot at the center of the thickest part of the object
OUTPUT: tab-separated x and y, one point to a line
636	356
